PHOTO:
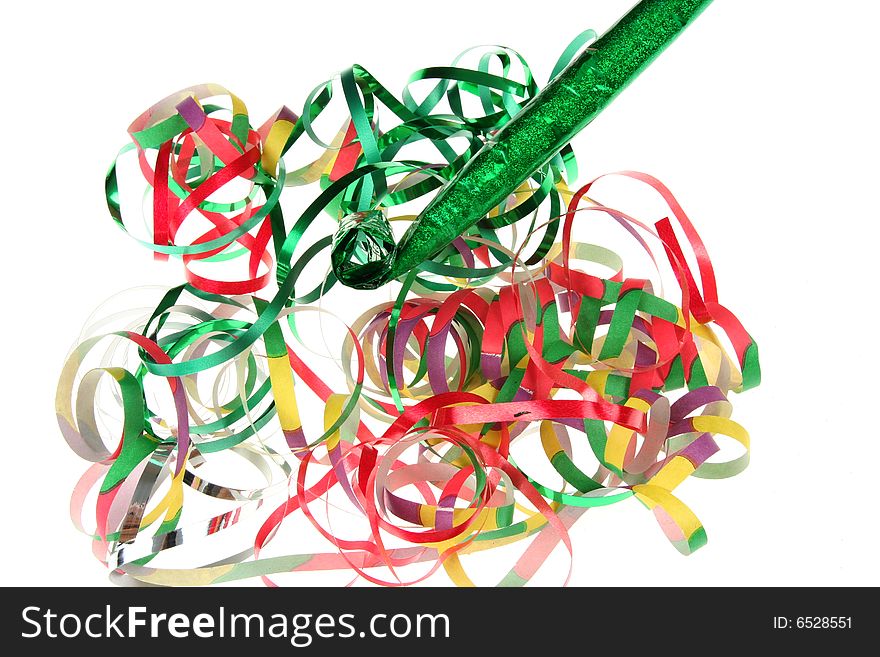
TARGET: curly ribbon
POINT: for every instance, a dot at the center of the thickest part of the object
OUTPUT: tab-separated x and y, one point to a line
417	461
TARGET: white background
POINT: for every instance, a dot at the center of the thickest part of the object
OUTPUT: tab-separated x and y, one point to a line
763	119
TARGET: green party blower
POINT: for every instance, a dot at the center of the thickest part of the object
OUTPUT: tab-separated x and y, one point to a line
525	144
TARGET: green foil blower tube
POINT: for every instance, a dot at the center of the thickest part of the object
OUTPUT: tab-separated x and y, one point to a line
525	144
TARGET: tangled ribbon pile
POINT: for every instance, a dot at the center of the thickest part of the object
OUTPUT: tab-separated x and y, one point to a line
501	339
